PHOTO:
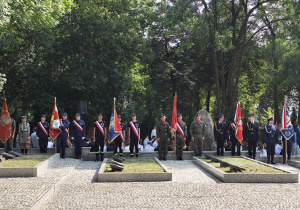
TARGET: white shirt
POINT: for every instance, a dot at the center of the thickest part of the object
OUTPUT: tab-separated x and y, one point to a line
263	153
278	149
50	144
155	144
149	148
153	133
146	142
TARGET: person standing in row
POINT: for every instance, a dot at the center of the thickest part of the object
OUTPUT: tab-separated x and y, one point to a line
120	139
220	133
197	131
63	136
134	135
252	135
163	137
78	134
235	142
24	134
10	141
42	133
181	133
99	134
271	138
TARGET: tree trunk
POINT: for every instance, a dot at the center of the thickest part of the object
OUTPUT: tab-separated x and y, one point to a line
208	100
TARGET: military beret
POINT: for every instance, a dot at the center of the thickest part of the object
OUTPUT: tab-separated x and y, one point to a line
198	114
162	115
77	115
271	118
251	115
64	114
43	115
179	115
221	116
24	117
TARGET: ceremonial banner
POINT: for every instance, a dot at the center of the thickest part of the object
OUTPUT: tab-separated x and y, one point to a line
286	126
174	114
114	126
239	124
5	123
54	129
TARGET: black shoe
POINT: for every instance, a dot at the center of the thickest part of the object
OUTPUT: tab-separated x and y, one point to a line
272	162
136	155
75	157
165	158
102	157
268	162
131	155
180	158
160	158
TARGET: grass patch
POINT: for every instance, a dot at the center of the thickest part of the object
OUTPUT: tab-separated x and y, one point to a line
249	166
24	161
137	165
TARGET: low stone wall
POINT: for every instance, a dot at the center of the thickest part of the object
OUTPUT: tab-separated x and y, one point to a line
35	171
248	178
187	155
133	177
293	163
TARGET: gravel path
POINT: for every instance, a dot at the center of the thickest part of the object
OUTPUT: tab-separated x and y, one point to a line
191	188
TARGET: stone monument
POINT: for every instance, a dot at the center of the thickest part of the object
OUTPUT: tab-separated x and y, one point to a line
209	143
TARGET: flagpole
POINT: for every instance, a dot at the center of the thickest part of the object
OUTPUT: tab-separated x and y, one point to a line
175	129
5	141
55	140
285	140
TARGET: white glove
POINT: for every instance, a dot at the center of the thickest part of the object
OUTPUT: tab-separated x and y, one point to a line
83	138
72	138
37	138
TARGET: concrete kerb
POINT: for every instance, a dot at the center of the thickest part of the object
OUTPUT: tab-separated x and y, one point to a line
286	177
133	177
35	171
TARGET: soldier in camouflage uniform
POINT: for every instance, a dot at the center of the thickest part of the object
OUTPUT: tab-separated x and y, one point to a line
180	136
163	134
197	131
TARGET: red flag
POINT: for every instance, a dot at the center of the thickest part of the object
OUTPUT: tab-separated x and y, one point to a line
54	129
174	115
5	123
239	124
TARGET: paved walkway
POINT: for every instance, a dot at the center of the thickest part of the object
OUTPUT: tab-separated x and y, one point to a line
191	188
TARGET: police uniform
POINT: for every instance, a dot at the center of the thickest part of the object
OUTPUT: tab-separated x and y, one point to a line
42	133
119	141
181	134
298	134
62	137
134	138
252	136
271	138
233	139
100	137
163	133
197	130
220	133
289	145
78	134
10	141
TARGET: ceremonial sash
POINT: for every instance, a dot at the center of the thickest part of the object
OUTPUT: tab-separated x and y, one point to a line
180	130
66	130
43	129
122	137
134	128
233	126
77	125
99	127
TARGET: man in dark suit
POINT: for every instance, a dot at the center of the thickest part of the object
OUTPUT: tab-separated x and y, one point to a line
271	138
252	135
220	133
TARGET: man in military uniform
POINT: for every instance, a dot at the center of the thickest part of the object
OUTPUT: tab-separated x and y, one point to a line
63	136
289	145
42	133
99	134
252	135
78	134
163	134
271	138
197	131
134	135
120	139
233	139
220	133
181	134
10	141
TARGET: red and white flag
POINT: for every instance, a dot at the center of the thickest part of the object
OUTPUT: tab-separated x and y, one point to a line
174	114
5	123
54	129
239	124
